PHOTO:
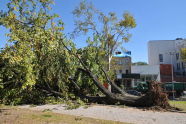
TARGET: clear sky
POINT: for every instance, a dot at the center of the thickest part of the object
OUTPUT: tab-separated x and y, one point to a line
156	20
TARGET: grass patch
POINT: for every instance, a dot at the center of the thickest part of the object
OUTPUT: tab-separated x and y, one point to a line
178	104
21	116
47	115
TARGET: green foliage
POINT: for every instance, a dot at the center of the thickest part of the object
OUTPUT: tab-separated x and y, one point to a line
36	63
139	63
183	54
74	105
108	32
91	57
36	67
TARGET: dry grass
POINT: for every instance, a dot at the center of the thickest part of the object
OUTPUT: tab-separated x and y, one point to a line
179	104
13	115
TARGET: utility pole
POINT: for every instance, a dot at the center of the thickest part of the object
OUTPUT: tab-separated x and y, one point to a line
171	54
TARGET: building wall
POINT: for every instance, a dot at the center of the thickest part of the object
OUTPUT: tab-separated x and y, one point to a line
166	73
147	72
166	69
162	73
168	49
155	48
121	65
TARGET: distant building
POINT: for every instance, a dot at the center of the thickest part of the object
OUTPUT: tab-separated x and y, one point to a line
147	72
121	63
167	52
162	54
160	73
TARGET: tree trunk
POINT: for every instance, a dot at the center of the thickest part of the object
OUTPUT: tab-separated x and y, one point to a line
150	99
116	98
154	97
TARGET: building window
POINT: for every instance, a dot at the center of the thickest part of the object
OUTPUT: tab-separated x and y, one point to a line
183	67
120	62
177	56
127	71
161	57
178	66
135	83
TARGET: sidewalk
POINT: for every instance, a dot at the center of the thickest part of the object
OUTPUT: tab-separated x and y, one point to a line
130	115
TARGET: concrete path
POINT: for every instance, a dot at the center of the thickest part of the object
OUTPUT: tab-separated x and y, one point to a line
131	115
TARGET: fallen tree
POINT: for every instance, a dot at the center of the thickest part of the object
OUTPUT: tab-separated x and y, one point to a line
40	61
108	34
154	97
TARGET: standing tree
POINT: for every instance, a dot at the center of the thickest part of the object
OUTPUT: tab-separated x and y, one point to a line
183	54
109	31
108	34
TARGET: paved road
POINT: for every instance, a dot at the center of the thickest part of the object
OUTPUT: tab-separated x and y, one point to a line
131	115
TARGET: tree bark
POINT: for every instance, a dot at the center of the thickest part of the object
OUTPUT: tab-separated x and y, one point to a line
154	97
127	99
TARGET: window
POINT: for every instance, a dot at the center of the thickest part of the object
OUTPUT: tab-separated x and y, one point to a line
178	66
183	67
160	57
120	62
135	83
127	71
177	56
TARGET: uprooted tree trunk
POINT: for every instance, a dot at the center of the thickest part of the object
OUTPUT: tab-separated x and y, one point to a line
153	98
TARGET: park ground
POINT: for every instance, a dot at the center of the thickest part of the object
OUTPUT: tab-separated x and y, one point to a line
15	115
93	114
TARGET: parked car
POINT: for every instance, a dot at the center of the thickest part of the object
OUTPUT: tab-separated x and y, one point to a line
134	92
183	97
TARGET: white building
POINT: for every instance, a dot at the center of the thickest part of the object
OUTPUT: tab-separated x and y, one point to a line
147	72
167	52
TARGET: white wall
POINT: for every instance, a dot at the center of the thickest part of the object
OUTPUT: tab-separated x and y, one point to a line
160	47
147	70
164	47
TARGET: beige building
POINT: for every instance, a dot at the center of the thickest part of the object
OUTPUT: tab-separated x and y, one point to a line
122	65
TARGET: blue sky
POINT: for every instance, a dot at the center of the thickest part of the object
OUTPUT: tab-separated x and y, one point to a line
156	20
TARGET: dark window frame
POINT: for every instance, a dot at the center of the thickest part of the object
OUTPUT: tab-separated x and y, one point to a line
177	56
160	57
178	66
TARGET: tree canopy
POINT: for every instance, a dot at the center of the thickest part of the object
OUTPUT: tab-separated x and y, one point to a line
139	63
107	31
42	63
36	63
183	54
